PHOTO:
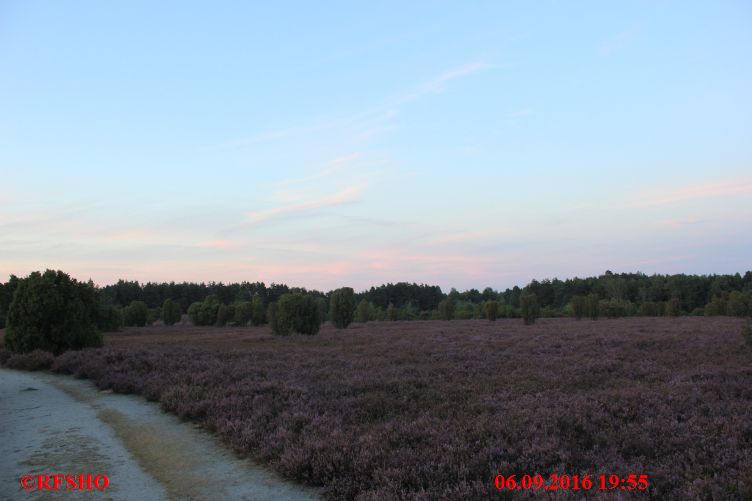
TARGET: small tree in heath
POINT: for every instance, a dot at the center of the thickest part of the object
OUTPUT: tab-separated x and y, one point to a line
447	308
364	311
492	310
342	307
530	308
170	312
296	313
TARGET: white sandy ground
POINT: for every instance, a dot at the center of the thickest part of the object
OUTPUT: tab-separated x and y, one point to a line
57	424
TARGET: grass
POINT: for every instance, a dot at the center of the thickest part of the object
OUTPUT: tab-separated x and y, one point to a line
435	410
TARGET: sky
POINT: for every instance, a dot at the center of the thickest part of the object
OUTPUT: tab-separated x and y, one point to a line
328	144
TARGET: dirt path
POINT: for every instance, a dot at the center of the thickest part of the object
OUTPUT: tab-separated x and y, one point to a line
58	424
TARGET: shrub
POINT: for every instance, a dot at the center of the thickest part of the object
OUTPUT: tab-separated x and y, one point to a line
391	313
258	312
648	309
737	304
673	307
36	360
341	307
221	316
4	355
492	310
447	309
530	308
109	318
593	306
271	316
135	314
171	312
193	312
717	306
579	305
364	311
205	312
296	313
51	312
242	313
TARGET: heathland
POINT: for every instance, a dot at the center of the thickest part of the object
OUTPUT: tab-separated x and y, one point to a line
435	409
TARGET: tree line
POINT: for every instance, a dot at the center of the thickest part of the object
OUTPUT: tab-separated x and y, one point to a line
291	309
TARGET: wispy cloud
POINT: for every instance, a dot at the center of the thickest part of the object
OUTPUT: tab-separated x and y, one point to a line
666	196
347	195
370	122
438	83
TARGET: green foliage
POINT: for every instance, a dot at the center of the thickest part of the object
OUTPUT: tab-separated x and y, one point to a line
613	308
593	306
109	318
391	313
222	315
193	312
170	312
579	306
342	307
296	313
242	313
529	308
363	313
258	311
447	309
738	304
673	307
648	309
51	312
717	306
492	310
135	314
271	316
205	312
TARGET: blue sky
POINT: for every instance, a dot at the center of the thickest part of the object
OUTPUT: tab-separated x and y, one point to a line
341	143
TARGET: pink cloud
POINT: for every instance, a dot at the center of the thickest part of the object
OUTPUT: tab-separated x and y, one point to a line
672	195
348	194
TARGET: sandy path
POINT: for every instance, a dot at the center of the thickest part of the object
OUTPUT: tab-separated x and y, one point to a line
57	424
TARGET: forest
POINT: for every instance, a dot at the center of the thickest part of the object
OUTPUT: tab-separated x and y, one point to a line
608	295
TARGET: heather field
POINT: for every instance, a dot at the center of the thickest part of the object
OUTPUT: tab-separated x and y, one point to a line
436	409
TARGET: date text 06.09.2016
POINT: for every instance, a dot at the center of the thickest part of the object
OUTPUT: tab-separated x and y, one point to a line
556	482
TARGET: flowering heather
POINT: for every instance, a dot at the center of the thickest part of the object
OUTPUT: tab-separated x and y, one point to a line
36	360
435	410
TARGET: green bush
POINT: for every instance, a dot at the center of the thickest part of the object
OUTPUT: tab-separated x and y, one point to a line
447	309
205	312
342	307
530	308
222	315
258	312
673	307
391	313
492	310
593	306
170	312
738	304
717	306
296	313
364	311
579	306
51	312
242	314
194	311
135	314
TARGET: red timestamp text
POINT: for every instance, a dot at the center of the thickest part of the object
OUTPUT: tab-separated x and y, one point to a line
555	482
